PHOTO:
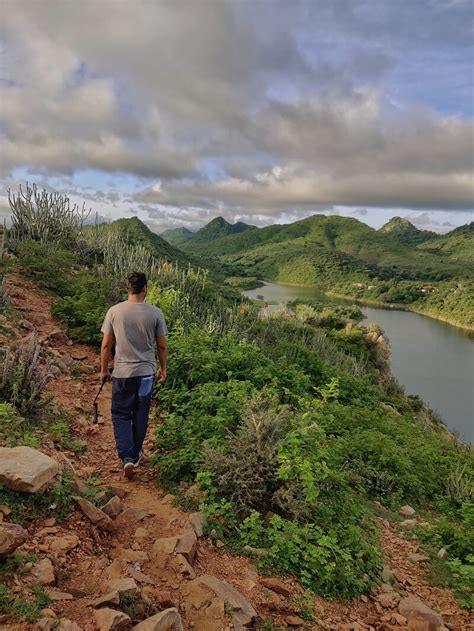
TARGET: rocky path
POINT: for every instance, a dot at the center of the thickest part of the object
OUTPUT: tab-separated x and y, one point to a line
153	555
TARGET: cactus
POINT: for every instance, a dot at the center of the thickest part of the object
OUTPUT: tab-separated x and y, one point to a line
44	217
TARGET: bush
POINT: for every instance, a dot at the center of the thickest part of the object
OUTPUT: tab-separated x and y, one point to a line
24	375
47	264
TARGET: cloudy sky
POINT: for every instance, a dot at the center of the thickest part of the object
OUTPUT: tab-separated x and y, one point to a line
258	110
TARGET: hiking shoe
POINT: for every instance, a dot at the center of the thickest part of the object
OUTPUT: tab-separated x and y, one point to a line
139	459
128	468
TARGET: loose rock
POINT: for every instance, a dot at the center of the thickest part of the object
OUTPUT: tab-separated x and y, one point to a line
61	545
111	598
113	507
26	469
168	620
94	514
413	608
111	620
11	537
294	621
44	572
407	510
124	586
197	521
243	612
276	586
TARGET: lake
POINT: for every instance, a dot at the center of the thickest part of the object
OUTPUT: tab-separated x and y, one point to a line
429	357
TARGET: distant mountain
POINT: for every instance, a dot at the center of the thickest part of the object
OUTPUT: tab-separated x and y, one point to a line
323	250
458	244
134	230
215	229
176	236
405	232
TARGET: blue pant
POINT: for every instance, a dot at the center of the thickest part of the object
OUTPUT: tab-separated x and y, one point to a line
131	398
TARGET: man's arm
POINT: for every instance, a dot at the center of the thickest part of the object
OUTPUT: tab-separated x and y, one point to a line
162	350
105	355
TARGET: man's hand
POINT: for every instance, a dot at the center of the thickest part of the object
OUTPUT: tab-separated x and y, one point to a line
162	374
105	376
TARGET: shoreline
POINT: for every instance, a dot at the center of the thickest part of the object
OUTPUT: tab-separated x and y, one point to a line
379	305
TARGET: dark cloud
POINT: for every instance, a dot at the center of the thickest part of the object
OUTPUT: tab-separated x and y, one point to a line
245	109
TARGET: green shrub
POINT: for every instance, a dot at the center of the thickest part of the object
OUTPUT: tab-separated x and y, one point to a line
48	265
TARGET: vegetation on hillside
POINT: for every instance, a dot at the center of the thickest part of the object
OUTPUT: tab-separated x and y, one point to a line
215	229
176	236
405	232
344	256
282	429
458	244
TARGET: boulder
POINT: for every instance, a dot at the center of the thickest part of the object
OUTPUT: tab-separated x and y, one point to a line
414	609
43	572
182	566
11	537
113	507
442	553
94	514
168	620
197	521
26	469
111	620
294	621
276	585
407	510
242	611
415	557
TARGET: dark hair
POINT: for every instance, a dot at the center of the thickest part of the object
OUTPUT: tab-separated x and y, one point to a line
136	282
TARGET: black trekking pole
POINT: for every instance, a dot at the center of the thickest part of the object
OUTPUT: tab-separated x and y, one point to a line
95	407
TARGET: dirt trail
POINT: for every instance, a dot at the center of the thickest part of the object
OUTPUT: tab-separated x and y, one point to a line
148	514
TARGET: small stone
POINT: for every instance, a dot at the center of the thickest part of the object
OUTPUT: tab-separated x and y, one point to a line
111	620
412	608
164	598
68	625
294	621
118	490
197	521
186	545
409	524
407	510
443	553
26	324
276	585
44	572
124	586
418	558
11	537
168	620
388	600
111	598
220	544
55	594
78	486
61	545
58	336
113	507
183	566
94	514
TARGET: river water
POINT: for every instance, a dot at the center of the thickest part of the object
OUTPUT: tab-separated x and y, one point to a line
430	358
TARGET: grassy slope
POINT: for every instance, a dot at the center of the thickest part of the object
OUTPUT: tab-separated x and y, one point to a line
214	230
135	231
458	244
338	252
177	236
405	232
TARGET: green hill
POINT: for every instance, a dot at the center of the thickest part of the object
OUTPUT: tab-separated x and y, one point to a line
177	236
458	244
134	231
215	229
345	256
405	232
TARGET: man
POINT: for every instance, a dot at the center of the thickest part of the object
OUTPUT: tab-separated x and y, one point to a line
138	331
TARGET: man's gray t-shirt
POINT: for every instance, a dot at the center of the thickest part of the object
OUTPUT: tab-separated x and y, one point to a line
135	326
